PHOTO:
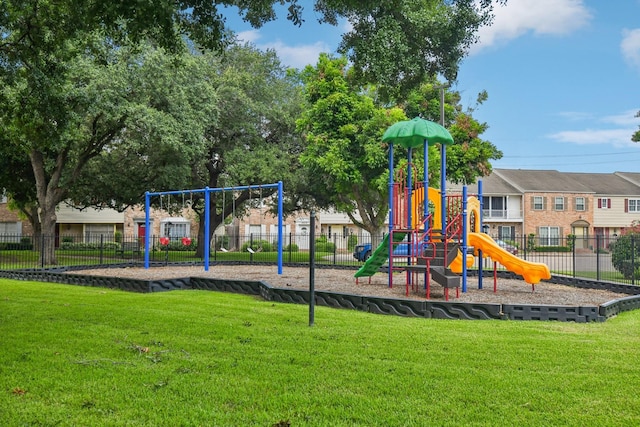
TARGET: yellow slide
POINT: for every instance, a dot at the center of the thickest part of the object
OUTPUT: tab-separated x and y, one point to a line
532	272
456	264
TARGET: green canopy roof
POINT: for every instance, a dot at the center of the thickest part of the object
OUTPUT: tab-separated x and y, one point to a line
412	133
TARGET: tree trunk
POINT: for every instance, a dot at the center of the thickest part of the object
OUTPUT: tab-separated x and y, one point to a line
377	235
48	239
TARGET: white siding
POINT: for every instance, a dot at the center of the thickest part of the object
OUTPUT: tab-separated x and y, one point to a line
68	215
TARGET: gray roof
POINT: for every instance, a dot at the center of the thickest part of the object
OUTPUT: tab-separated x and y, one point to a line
520	181
607	183
544	181
633	177
492	184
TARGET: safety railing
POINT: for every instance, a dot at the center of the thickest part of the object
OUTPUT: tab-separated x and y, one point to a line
601	258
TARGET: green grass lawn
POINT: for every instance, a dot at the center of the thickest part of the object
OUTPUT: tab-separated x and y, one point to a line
81	356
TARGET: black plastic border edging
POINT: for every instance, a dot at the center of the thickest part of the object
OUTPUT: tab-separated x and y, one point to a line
377	305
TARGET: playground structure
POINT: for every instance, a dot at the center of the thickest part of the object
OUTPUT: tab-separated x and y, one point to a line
207	206
436	229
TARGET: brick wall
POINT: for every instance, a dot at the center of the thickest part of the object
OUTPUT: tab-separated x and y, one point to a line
549	216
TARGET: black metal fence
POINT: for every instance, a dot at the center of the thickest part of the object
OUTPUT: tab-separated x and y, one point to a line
605	259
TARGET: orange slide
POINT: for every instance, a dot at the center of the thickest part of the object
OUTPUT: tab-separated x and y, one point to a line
532	272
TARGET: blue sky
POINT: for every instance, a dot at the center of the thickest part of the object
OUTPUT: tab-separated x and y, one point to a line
563	78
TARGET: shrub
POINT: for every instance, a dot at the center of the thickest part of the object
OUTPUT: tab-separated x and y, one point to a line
552	249
222	242
67	246
291	248
258	246
625	255
322	245
352	241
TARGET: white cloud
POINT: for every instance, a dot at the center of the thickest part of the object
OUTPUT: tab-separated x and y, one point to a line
630	46
624	125
249	36
615	137
297	56
576	116
540	17
623	119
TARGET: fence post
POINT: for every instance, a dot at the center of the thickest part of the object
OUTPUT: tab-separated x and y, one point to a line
251	247
572	242
42	250
597	248
312	268
335	248
101	249
633	258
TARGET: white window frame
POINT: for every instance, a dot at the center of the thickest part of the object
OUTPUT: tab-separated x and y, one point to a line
180	227
505	232
603	202
549	236
538	200
558	203
636	205
581	204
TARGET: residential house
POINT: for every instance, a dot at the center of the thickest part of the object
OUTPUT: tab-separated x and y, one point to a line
12	227
553	204
616	203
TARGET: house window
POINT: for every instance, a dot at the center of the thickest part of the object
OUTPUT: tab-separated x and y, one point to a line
604	203
506	232
494	207
580	204
633	205
549	236
558	203
175	228
96	232
10	231
255	230
538	203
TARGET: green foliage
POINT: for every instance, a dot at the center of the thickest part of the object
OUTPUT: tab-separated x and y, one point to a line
552	249
221	241
470	156
531	242
345	162
352	241
144	348
571	241
291	248
82	246
625	252
258	246
25	244
324	245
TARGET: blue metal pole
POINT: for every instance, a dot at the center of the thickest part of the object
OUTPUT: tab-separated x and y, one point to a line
464	238
147	221
280	225
207	237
